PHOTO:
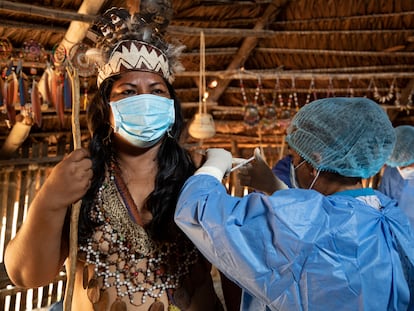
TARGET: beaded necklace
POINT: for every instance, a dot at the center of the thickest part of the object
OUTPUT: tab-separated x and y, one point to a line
124	257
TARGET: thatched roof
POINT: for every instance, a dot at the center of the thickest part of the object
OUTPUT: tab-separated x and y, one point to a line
312	48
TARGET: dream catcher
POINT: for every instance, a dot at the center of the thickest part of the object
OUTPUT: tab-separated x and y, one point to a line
59	55
6	49
33	51
251	111
80	61
84	67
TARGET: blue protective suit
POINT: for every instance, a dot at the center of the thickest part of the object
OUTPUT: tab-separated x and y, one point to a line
282	170
391	182
402	190
300	250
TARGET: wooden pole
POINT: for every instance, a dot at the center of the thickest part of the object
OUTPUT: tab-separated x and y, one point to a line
73	237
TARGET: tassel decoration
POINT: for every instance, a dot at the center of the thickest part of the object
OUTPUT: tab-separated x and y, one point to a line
36	104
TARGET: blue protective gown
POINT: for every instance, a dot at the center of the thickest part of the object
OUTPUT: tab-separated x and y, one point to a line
282	170
391	182
300	250
402	190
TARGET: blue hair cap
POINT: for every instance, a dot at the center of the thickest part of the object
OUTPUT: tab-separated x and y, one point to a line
351	136
403	153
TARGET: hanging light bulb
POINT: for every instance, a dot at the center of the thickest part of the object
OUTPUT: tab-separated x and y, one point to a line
202	126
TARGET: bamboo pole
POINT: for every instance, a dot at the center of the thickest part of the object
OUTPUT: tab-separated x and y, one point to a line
73	238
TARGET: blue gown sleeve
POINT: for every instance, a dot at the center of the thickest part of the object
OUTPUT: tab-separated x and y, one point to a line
238	235
287	249
406	200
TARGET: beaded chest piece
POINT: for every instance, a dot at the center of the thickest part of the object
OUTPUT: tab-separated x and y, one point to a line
124	257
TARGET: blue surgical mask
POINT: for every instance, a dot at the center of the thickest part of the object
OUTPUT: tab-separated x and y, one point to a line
406	172
292	174
143	119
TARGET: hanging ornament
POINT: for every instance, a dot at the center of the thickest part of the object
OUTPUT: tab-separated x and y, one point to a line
311	90
387	97
6	49
350	91
397	101
80	61
410	99
36	103
330	92
33	51
58	55
251	112
85	96
295	95
269	112
370	86
202	126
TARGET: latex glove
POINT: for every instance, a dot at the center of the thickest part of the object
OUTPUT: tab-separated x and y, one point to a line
259	176
218	163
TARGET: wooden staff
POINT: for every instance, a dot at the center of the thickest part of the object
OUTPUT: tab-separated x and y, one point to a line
74	218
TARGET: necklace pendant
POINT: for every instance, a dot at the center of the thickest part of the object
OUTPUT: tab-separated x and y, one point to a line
85	276
103	302
157	306
119	305
93	291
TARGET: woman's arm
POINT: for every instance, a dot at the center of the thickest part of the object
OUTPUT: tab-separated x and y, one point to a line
37	252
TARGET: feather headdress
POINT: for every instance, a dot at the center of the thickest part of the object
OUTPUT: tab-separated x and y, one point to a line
135	41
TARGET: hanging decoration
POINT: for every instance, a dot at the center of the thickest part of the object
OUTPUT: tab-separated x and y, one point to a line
269	112
85	95
202	126
384	98
350	91
330	92
294	96
10	92
36	103
410	99
6	49
80	61
311	91
58	56
397	101
33	51
251	111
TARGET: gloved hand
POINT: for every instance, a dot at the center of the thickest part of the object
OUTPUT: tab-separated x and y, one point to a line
259	176
218	163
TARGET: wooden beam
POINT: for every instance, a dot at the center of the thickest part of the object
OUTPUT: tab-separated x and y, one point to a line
261	33
31	26
248	46
34	10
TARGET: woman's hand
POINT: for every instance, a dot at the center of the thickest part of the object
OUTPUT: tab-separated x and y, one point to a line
69	180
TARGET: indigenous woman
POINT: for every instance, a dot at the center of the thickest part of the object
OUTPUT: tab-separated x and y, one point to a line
132	256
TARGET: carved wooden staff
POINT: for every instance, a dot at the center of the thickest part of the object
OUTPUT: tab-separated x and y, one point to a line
73	237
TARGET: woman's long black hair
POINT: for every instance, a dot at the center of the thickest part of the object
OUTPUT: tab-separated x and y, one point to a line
174	167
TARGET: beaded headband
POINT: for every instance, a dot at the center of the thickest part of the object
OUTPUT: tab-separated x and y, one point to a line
135	42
